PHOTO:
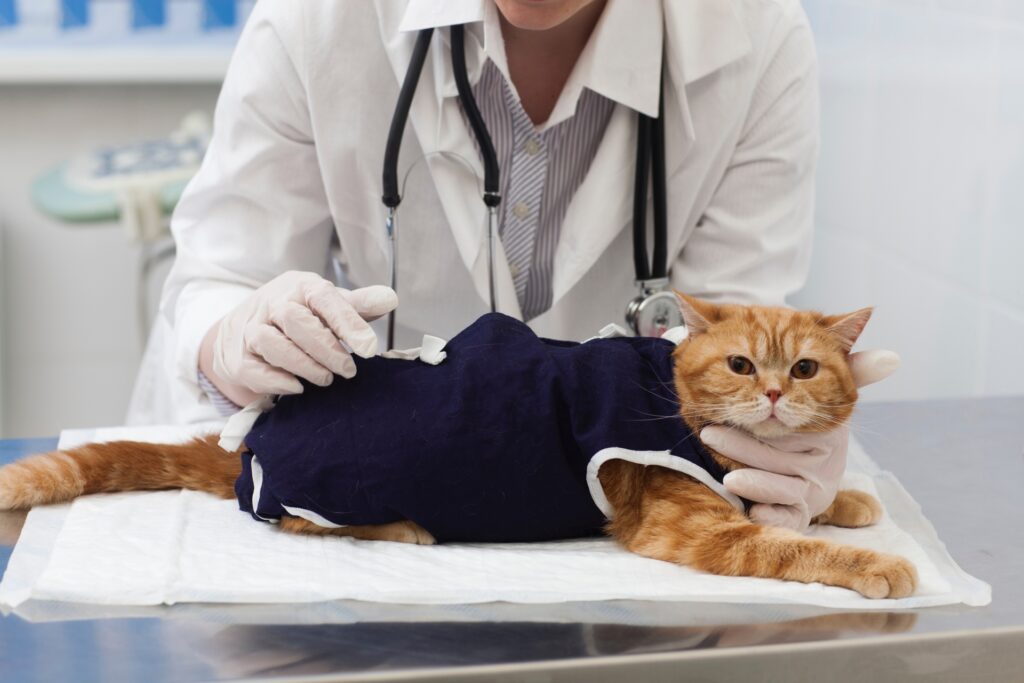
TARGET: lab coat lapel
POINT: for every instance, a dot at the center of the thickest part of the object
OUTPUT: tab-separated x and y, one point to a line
701	37
458	176
460	191
601	206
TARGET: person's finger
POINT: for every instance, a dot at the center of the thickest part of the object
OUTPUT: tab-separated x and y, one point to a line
766	487
329	302
273	346
790	452
264	379
372	302
782	516
745	449
311	335
868	367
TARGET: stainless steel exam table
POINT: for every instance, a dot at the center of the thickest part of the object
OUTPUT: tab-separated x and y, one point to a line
963	460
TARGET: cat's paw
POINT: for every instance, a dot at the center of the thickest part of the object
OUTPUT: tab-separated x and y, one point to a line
852	509
884	576
409	532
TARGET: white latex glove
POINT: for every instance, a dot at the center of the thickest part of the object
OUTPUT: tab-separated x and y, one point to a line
294	326
793	479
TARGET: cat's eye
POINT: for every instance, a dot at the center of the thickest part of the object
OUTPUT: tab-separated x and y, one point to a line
804	369
741	365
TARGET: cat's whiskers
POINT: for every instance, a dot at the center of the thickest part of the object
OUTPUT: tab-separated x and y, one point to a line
822	421
683	440
656	394
712	414
744	413
812	411
859	429
671	387
807	413
814	415
651	417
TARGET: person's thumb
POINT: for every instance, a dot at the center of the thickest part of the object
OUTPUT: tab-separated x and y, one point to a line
869	367
372	302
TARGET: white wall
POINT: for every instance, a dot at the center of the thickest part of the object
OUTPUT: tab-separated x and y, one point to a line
921	187
67	292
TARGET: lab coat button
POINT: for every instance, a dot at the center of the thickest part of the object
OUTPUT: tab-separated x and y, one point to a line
521	209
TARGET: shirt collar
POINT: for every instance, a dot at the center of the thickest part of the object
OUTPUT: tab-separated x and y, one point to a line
622	60
420	14
706	35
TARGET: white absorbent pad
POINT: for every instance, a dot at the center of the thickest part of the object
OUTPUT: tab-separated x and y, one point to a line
181	546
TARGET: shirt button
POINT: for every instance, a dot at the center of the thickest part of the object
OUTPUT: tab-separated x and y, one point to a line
521	209
531	146
514	269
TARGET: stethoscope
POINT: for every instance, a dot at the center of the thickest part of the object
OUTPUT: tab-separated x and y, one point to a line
655	309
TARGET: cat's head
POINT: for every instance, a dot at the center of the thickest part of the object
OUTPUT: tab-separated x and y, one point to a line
768	371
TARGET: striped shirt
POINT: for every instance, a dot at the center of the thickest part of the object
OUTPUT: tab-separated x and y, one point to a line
222	404
540	173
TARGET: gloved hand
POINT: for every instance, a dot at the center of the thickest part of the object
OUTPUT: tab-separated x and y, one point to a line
793	479
293	327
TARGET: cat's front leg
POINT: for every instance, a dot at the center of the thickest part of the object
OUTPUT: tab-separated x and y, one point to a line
851	509
682	521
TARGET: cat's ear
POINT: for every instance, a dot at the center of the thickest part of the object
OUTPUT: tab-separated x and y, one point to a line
698	315
847	327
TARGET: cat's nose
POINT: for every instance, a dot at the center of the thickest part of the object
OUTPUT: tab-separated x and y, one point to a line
773	395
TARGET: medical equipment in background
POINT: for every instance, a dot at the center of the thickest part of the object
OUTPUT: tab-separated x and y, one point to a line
655	309
137	183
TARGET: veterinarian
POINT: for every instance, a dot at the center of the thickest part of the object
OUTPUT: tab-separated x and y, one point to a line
288	200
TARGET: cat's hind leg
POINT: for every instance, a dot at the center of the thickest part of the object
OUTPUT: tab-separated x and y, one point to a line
684	522
398	532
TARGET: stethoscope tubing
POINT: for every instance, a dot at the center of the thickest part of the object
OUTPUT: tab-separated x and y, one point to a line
492	172
391	196
492	181
650	163
659	259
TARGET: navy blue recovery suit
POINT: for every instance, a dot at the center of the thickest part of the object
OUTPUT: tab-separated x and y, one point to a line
493	444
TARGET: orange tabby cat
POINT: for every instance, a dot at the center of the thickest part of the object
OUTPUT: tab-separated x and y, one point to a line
734	357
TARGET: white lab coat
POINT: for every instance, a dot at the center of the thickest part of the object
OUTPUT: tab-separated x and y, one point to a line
296	157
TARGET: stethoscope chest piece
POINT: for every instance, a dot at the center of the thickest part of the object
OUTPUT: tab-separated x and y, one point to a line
655	311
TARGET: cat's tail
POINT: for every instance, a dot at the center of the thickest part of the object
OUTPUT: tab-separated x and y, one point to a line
200	465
